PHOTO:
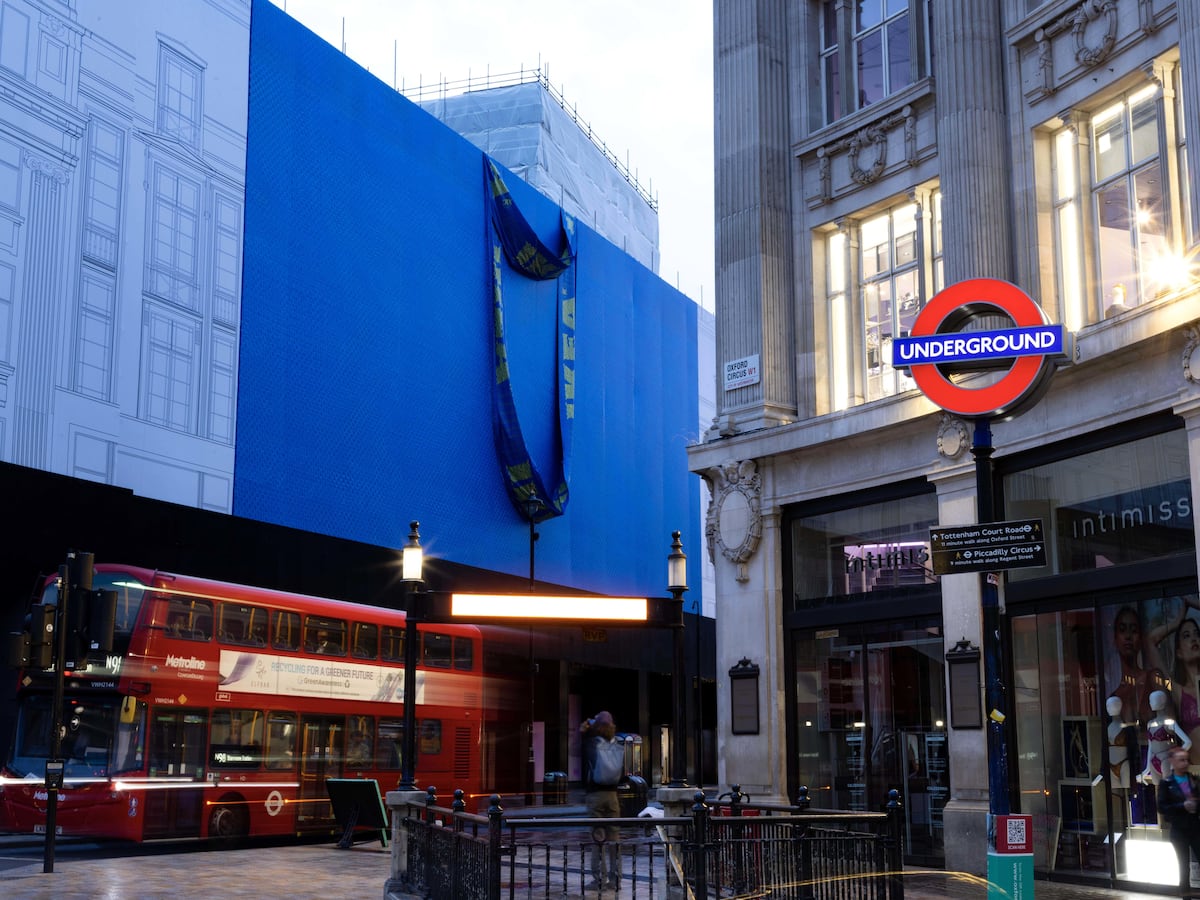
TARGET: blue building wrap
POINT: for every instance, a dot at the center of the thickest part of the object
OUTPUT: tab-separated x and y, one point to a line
365	375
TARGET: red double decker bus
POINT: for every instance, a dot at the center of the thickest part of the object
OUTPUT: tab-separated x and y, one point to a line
222	709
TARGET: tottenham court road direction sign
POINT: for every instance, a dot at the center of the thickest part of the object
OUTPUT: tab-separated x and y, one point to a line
935	347
989	547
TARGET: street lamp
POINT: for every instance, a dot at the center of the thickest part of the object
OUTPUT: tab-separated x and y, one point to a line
677	585
411	562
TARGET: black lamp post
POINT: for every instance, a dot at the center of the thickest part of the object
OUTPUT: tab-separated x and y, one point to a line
677	585
411	562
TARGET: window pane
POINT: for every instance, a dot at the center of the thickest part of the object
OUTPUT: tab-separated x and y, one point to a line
1117	272
869	50
1143	114
899	55
833	88
1108	142
868	13
829	29
905	226
875	247
1064	165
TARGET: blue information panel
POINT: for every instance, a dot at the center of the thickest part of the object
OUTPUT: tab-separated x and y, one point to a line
979	346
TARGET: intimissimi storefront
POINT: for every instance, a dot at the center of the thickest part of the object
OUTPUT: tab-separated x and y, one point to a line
1111	621
1113	618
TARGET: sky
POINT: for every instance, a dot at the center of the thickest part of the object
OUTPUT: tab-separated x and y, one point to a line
640	73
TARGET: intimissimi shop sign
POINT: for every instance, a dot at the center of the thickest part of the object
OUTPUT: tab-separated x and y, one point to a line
1121	504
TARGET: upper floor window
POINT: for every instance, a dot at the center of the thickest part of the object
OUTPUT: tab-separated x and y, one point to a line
875	294
1120	210
868	51
179	97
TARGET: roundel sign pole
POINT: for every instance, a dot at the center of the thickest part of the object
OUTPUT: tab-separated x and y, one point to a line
946	340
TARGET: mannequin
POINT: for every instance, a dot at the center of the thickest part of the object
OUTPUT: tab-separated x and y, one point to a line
1118	748
1162	734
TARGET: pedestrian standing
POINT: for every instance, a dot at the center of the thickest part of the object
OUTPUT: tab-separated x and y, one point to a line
604	767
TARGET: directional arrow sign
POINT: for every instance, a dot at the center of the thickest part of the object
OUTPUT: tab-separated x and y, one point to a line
988	547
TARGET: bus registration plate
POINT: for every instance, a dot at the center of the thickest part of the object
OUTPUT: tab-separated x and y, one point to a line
41	829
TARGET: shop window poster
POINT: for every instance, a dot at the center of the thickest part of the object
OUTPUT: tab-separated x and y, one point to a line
1154	645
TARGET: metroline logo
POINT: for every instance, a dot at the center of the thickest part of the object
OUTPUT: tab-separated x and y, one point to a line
983	345
182	662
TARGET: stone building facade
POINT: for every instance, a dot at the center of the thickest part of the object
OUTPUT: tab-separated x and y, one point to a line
870	154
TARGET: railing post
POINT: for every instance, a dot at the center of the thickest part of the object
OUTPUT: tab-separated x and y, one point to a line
805	841
495	836
700	814
895	844
430	803
459	806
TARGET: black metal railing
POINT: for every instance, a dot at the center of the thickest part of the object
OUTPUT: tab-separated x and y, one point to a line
726	849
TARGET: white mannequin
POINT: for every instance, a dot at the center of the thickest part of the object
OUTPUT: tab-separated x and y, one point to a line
1161	734
1118	752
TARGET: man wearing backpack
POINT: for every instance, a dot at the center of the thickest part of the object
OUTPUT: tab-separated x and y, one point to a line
603	769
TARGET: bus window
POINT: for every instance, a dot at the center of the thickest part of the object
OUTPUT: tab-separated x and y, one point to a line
236	739
358	741
437	650
238	625
189	618
89	730
390	745
281	740
178	740
323	635
464	654
393	643
366	640
285	633
429	736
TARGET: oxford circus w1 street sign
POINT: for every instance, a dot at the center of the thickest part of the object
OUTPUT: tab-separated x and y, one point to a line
938	346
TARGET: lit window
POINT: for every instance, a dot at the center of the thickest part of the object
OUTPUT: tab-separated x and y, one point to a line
874	296
1121	207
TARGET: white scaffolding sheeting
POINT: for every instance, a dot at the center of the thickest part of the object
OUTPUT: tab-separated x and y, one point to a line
526	130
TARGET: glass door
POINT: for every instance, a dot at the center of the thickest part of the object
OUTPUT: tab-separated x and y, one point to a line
871	717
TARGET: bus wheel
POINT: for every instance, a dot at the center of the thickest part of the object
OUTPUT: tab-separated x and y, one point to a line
227	824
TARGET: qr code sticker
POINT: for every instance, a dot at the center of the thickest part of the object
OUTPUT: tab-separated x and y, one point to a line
1016	832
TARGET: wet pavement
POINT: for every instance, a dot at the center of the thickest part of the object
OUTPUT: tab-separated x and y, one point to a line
321	872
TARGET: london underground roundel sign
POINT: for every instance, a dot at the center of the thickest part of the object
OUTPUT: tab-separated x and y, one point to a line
936	346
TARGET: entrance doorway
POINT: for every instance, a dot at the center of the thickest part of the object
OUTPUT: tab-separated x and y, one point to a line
871	717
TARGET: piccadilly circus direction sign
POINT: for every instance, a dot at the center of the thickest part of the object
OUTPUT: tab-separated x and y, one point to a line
937	346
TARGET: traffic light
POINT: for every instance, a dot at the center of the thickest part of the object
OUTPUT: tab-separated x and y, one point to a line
34	647
102	619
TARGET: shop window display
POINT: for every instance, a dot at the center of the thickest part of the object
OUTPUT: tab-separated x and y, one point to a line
1101	696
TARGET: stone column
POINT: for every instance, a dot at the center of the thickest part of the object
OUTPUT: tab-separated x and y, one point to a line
973	139
965	815
1189	62
754	241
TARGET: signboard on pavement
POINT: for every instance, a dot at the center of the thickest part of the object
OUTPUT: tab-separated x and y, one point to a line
987	547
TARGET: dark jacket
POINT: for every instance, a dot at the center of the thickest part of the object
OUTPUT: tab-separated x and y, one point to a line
1170	802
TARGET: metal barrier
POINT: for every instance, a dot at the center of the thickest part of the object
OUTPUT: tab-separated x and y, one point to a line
741	850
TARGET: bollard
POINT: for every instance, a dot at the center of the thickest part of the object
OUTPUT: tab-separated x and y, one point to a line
895	843
700	847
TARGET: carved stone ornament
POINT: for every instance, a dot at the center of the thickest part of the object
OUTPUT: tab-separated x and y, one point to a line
1094	9
734	521
1191	354
869	141
953	437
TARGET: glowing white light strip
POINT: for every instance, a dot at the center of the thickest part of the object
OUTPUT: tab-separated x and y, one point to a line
534	606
